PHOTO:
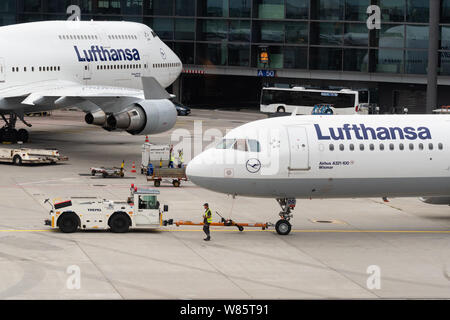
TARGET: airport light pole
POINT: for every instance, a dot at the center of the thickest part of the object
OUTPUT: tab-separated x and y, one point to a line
433	47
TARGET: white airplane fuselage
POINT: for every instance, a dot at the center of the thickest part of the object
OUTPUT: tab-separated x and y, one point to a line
331	157
87	52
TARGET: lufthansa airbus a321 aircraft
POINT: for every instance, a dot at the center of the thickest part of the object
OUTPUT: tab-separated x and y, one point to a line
330	157
116	72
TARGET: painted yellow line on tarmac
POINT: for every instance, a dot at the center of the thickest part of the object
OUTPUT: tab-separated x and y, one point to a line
316	231
259	230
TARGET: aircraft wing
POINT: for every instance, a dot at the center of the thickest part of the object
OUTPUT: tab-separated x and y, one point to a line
50	95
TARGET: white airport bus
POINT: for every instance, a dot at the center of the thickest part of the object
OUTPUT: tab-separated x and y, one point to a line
344	101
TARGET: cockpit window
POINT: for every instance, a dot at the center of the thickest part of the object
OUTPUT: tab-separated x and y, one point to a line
240	145
225	144
254	145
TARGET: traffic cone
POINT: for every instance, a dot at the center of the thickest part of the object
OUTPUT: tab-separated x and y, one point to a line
133	168
146	139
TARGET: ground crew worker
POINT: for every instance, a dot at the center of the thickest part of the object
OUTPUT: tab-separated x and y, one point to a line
207	219
180	158
150	169
122	166
172	160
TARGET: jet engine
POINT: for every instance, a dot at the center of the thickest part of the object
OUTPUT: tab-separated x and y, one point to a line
144	117
436	200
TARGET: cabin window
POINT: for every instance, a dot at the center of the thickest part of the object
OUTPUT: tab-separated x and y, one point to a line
371	147
351	147
381	146
361	147
331	147
411	146
420	146
430	146
440	146
401	146
391	146
341	147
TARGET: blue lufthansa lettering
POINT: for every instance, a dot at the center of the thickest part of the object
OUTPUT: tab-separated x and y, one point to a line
361	132
96	53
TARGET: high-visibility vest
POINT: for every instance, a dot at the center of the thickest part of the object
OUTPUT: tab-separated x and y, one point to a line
208	215
181	159
172	158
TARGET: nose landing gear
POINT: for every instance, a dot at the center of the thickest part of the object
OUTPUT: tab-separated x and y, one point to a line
283	226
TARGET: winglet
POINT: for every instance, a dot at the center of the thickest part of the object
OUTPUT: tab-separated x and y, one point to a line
153	90
294	113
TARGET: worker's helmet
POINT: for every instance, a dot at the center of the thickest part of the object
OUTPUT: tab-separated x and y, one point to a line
205	204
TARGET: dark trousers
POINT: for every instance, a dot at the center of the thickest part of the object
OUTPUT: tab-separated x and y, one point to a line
206	229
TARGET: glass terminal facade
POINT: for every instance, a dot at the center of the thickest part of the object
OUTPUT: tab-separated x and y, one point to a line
317	43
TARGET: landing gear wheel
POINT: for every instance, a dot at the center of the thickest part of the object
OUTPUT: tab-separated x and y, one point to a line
22	135
93	172
283	227
157	183
10	135
241	228
281	109
68	223
119	224
176	183
17	160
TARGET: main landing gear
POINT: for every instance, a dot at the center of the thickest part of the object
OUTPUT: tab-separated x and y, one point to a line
283	226
9	133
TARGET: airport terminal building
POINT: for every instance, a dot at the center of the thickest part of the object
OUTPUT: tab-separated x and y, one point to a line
232	48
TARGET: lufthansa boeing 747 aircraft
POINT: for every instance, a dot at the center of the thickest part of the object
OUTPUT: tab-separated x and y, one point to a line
116	72
330	157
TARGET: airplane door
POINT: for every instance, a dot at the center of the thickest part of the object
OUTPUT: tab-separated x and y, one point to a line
146	66
2	70
299	149
87	72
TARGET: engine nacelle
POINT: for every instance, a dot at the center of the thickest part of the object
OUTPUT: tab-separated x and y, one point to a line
97	117
436	200
145	117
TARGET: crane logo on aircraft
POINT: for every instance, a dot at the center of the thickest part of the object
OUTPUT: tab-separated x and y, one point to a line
361	132
163	53
97	53
253	165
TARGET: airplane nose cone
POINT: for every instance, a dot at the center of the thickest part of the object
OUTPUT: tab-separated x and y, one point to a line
198	170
